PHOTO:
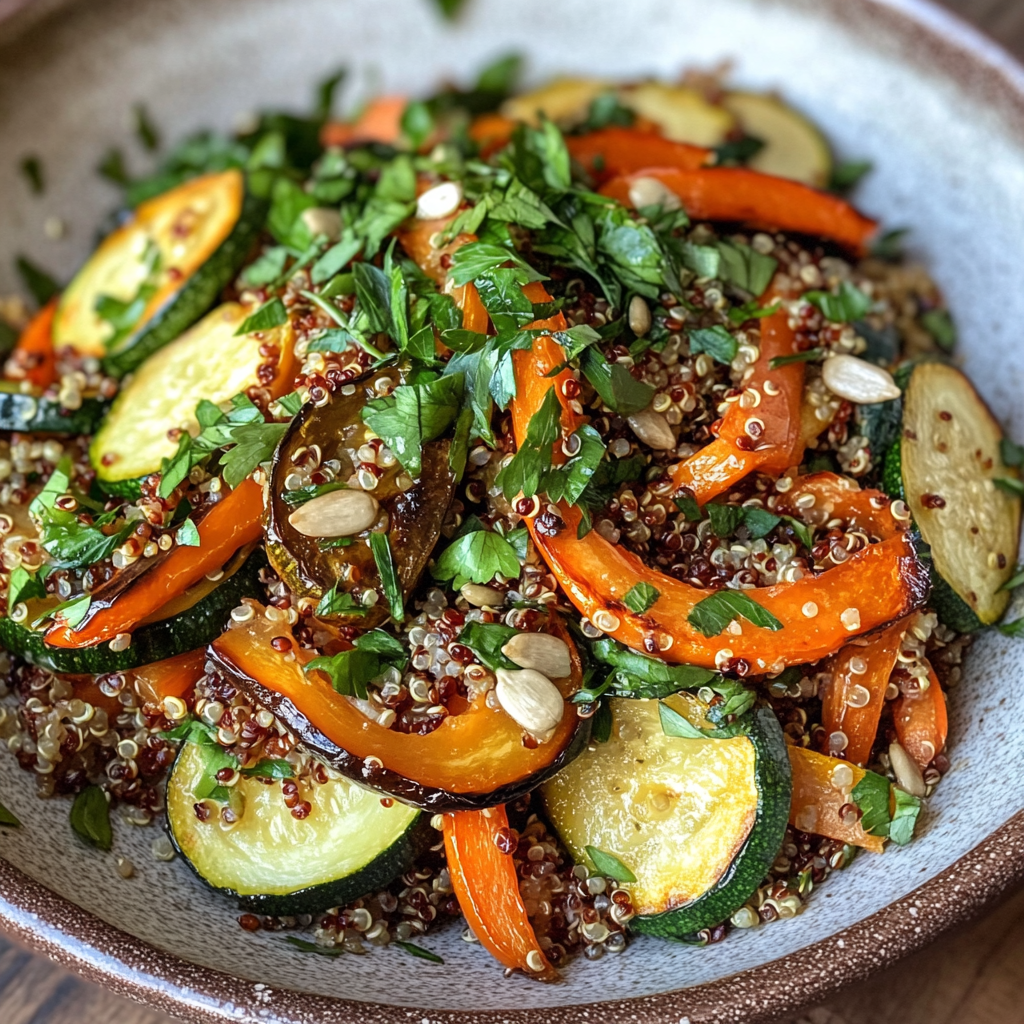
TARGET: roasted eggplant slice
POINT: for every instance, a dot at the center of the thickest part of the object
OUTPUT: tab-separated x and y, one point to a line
475	758
333	439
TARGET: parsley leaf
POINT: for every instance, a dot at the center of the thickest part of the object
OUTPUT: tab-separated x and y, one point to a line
744	267
871	795
90	818
39	283
1011	453
23	586
188	535
350	671
254	443
849	305
485	640
523	474
901	828
415	414
8	817
609	865
640	597
618	388
716	341
269	768
381	548
676	725
808	356
333	603
724	518
638	675
939	324
477	557
270	315
711	615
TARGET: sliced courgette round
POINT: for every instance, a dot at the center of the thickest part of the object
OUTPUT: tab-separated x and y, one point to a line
682	113
189	622
207	362
158	274
949	460
698	822
793	146
33	413
273	863
565	101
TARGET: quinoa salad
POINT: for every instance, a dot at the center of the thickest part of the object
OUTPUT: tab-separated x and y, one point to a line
553	515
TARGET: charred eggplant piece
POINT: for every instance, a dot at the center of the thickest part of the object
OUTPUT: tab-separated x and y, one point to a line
413	510
476	758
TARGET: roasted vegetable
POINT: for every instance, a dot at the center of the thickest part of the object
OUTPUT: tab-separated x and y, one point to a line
271	862
696	821
475	758
413	511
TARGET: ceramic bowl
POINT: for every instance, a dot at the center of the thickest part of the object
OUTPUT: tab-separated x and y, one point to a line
940	112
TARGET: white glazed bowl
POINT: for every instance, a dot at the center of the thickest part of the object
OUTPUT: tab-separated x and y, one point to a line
940	113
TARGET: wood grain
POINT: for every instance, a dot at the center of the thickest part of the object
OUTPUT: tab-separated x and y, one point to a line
974	975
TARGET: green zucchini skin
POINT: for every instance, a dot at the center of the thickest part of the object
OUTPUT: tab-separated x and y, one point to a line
194	628
392	860
196	295
30	414
750	866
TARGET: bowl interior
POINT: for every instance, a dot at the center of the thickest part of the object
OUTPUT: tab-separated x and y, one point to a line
946	142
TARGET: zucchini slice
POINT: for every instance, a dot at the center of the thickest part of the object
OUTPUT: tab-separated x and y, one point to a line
33	413
566	101
948	458
682	113
189	622
350	844
160	272
793	146
698	821
209	362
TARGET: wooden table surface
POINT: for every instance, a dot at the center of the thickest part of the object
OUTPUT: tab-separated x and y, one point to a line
974	975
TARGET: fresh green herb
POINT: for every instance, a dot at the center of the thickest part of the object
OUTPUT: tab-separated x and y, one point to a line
751	311
871	795
689	507
291	403
675	724
939	324
1011	453
889	246
477	556
606	110
759	522
849	305
350	671
804	533
8	818
90	818
270	315
410	947
333	603
41	286
637	672
188	535
415	414
901	828
267	267
485	640
450	8
269	768
711	615
524	473
618	388
32	170
738	151
640	597
809	356
724	518
303	494
113	169
23	586
716	341
609	865
304	946
601	723
847	174
339	256
288	202
145	129
381	548
1016	580
1011	485
745	268
1014	629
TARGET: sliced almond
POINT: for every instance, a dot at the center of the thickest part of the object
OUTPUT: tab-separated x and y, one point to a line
531	700
858	381
653	429
543	652
336	514
908	775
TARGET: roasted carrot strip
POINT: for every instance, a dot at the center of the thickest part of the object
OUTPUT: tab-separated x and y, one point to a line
234	521
380	122
852	701
491	132
613	151
33	358
484	878
873	587
172	677
921	722
476	749
417	238
819	797
761	200
764	436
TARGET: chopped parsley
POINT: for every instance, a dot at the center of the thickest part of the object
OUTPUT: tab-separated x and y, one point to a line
713	614
609	865
641	597
477	555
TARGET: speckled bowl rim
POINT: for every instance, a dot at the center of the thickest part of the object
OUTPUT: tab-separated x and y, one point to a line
78	940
